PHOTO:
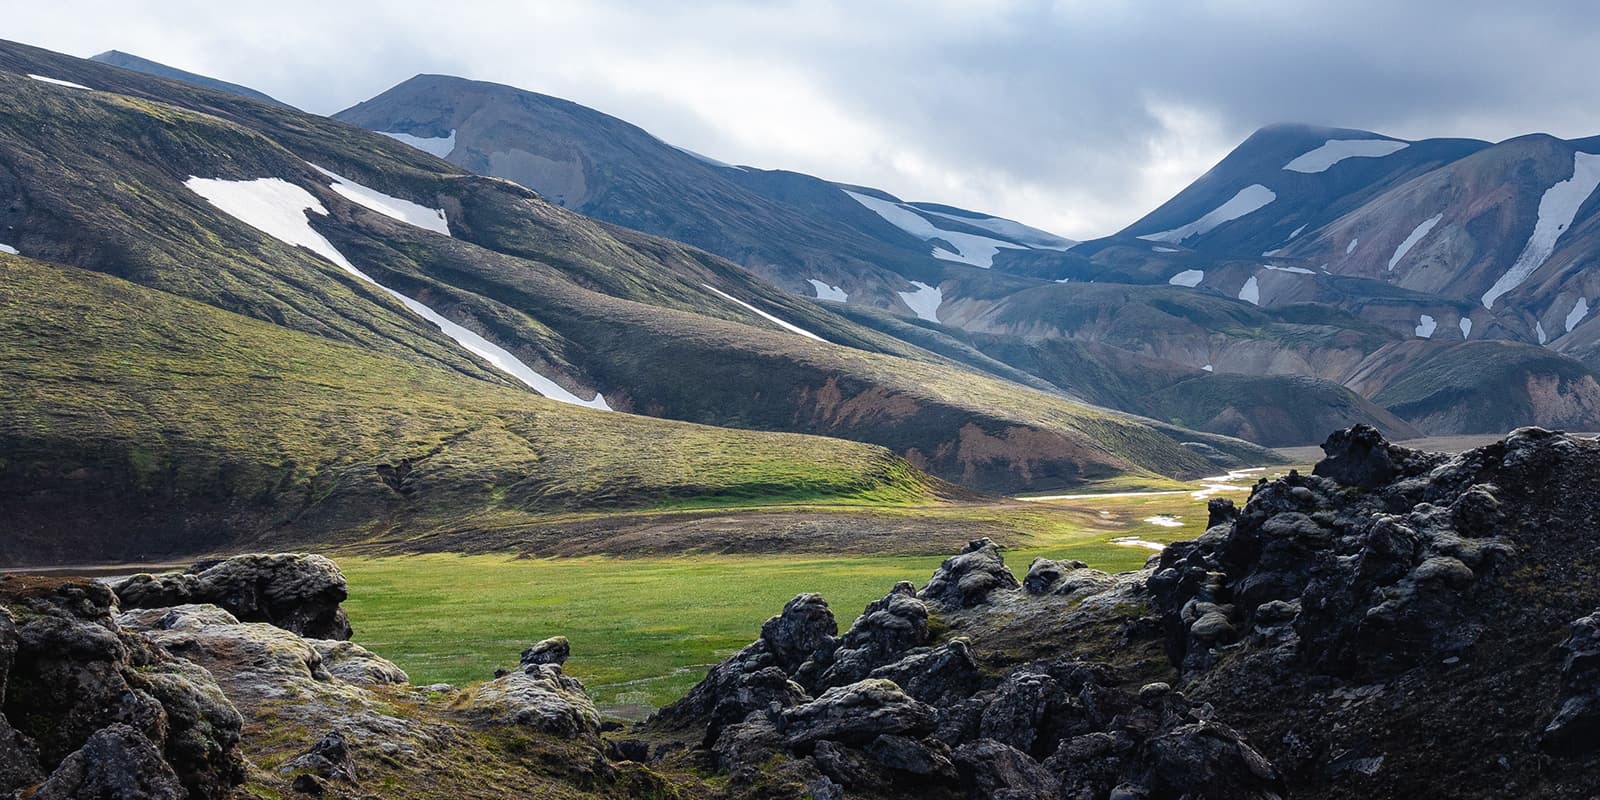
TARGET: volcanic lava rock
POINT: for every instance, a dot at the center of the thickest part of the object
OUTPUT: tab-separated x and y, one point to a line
554	650
299	593
967	579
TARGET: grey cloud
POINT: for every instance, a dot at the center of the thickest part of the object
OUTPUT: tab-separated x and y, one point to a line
1049	112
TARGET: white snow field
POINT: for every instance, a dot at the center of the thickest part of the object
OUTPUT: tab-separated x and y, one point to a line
438	145
1557	208
971	248
1538	330
792	328
404	210
1426	326
1335	150
826	292
1015	231
1295	270
1143	544
1249	199
1351	248
1297	232
1189	277
1466	327
6	248
278	208
1579	310
925	301
1251	291
1166	249
59	82
1417	234
1209	368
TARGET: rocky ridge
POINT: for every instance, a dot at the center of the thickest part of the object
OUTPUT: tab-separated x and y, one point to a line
1395	624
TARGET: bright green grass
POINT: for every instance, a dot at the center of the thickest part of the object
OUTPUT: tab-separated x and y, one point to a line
644	630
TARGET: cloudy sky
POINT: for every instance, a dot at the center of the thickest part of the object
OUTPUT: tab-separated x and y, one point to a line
1077	116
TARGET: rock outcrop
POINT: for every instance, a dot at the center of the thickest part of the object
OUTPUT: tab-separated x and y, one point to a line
299	593
95	710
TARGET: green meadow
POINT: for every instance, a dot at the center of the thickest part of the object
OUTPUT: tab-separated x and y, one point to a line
644	630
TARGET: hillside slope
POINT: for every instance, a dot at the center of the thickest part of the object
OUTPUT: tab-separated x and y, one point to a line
186	428
323	228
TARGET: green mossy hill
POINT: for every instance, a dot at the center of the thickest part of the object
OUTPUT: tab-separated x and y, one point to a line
136	423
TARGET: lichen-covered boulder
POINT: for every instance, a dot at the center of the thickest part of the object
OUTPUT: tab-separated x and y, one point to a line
294	591
856	714
539	696
967	579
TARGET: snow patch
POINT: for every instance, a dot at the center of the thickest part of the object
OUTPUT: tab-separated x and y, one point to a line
1351	248
792	328
1164	520
1189	277
278	208
1251	291
1417	234
1297	232
826	292
1166	249
1015	231
925	301
1295	270
404	210
1557	208
1209	368
1538	330
1335	150
440	146
971	249
1426	326
6	248
1466	327
1579	310
59	82
1249	199
1134	541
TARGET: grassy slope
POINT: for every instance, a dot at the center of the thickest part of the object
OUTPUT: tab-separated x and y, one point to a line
989	433
179	420
1487	387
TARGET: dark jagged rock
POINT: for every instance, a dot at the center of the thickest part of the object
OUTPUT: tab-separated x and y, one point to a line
75	671
328	758
636	750
991	769
554	650
296	592
938	675
116	763
855	715
887	629
1205	759
967	579
742	684
1576	726
1359	456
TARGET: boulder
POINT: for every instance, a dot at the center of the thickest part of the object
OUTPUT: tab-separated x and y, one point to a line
352	663
1576	726
116	763
329	758
991	770
967	579
855	715
936	675
540	697
1205	759
297	592
553	650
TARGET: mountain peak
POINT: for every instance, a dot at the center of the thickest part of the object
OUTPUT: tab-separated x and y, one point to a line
129	61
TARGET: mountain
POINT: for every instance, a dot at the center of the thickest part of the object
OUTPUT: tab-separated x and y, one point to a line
117	58
341	241
846	244
807	235
1370	258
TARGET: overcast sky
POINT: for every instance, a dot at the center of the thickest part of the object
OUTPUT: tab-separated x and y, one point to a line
1077	116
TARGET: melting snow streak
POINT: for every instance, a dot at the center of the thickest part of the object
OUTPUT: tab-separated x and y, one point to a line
1417	234
925	301
1557	209
1249	199
404	210
764	315
278	208
1579	310
1335	150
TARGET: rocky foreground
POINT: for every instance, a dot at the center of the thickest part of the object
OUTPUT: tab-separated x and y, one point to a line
1397	624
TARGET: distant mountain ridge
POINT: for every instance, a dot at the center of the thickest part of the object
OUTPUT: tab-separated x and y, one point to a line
117	58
